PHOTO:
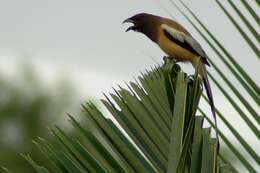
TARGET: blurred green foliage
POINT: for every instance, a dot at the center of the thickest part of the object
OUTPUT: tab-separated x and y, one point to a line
27	106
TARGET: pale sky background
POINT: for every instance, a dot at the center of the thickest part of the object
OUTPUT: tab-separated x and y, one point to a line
85	40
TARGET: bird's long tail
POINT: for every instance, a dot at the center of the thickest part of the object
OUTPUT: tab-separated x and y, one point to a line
204	75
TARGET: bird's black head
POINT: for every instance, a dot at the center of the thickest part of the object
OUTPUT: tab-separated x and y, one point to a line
139	21
144	23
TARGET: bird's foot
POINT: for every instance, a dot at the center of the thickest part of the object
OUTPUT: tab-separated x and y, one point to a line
165	59
169	59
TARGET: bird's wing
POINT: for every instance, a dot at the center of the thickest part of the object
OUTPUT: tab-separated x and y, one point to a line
183	40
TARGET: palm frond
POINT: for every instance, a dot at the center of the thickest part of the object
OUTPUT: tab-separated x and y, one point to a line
245	21
157	132
241	31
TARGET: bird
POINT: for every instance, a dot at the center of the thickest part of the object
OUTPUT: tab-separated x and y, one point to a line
177	43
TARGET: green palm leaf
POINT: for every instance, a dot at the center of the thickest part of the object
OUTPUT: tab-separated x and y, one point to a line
157	113
246	22
251	11
240	30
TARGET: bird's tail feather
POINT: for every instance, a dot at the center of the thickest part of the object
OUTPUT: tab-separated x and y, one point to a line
204	75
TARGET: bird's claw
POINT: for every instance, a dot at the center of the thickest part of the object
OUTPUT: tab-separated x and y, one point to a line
165	59
170	58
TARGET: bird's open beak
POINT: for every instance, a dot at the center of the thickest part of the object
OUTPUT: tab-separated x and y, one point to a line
134	28
129	20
